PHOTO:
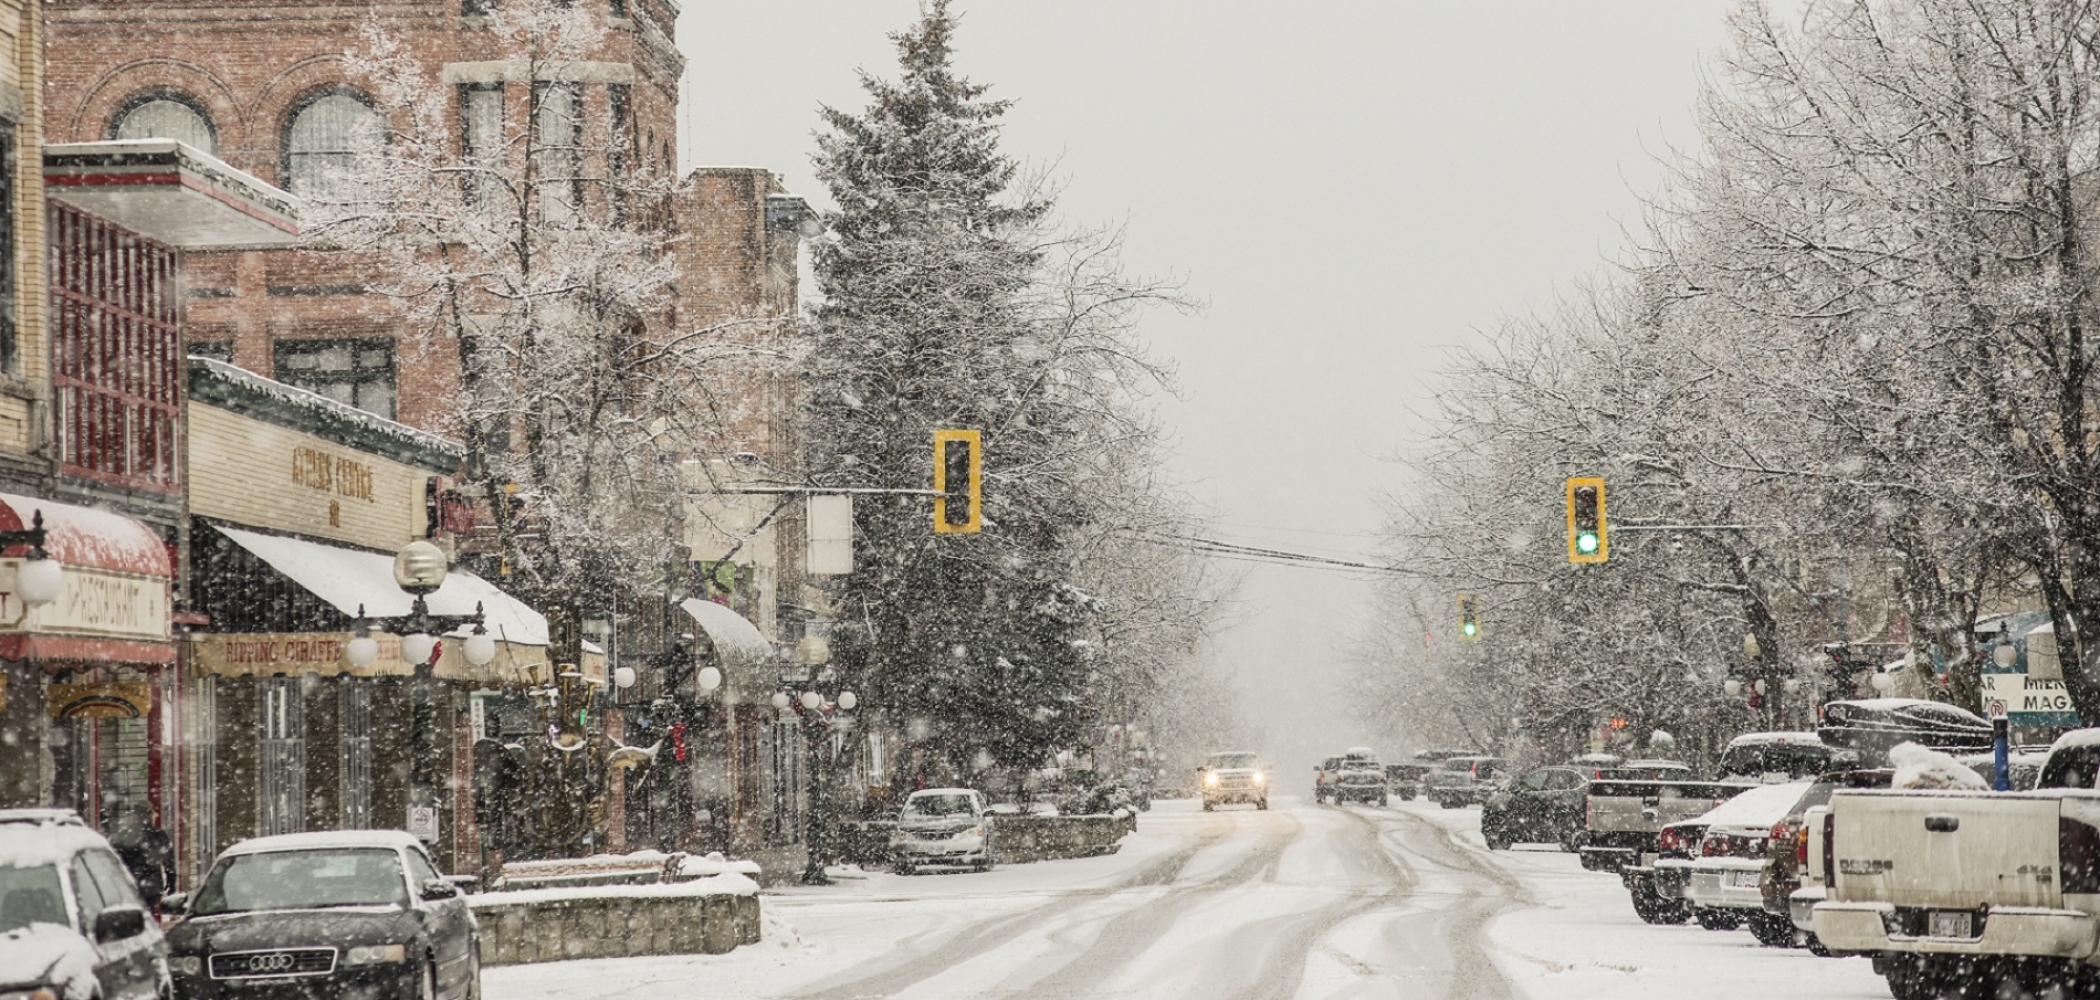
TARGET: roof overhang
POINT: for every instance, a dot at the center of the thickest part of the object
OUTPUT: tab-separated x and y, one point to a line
171	193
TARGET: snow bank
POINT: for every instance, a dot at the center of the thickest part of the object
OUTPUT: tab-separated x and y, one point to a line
1923	767
713	863
725	884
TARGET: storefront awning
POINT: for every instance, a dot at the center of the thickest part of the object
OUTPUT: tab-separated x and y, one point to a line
347	578
740	647
82	536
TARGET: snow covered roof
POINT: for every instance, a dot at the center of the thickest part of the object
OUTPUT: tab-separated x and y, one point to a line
347	578
84	536
324	840
1758	807
216	383
930	792
24	845
171	193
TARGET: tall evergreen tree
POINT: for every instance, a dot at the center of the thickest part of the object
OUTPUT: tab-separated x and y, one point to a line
948	302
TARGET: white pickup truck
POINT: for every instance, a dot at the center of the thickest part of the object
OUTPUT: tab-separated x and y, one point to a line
1965	891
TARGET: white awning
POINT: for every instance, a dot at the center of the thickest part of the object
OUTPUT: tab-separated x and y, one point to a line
347	578
742	649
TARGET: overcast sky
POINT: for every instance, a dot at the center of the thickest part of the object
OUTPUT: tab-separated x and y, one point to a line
1354	186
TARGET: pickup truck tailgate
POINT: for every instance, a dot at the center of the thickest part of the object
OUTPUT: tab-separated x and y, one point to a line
1947	850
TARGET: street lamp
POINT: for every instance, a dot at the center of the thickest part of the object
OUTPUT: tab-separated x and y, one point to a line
419	569
819	714
39	579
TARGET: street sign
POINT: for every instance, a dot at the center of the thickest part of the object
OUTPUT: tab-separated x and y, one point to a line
423	823
2029	701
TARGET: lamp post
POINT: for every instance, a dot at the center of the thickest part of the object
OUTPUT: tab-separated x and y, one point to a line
821	716
419	569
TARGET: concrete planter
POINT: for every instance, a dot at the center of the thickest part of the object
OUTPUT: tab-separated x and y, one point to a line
553	925
1015	839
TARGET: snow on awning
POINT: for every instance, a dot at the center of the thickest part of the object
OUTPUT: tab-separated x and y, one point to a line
170	193
347	578
83	536
741	647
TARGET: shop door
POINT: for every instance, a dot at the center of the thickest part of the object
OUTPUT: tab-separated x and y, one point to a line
281	798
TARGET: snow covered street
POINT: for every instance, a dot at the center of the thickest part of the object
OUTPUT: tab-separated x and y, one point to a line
1300	901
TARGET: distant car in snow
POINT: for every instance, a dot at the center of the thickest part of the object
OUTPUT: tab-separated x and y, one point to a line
1464	781
1774	758
943	826
71	921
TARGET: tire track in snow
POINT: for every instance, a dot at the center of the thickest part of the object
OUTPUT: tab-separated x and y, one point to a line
1461	926
994	934
1132	933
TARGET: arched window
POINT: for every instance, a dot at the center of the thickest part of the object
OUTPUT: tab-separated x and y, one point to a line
167	116
321	142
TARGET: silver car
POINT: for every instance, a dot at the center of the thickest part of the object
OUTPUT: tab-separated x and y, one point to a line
942	826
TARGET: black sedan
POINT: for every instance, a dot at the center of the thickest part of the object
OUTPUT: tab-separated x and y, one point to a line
351	915
1548	805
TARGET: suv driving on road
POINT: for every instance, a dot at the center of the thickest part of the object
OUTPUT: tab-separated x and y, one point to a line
1326	774
1361	778
1234	776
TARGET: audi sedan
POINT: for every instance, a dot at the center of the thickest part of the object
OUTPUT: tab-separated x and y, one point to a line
348	915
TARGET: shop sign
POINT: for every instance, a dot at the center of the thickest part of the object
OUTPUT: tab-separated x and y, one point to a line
126	700
291	653
91	601
2029	700
423	823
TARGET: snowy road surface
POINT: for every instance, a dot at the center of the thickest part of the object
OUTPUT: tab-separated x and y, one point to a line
1301	901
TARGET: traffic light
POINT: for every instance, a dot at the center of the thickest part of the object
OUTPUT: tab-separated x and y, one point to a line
1589	539
958	476
1468	617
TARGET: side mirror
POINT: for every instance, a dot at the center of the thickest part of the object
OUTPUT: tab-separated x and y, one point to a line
119	923
175	904
439	890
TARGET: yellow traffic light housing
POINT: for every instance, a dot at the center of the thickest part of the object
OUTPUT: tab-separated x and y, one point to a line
1468	617
958	476
1589	538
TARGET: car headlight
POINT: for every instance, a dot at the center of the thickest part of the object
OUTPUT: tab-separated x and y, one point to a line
1261	779
975	831
375	954
1210	779
185	965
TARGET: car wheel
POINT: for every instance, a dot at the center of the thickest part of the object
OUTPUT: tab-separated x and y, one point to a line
1714	918
1815	947
1447	804
1263	804
1208	805
1496	841
903	868
1772	930
1381	800
1654	909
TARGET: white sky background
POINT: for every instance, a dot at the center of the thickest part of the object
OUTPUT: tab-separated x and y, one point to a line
1353	185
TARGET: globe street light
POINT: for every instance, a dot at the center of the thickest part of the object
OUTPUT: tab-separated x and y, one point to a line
39	579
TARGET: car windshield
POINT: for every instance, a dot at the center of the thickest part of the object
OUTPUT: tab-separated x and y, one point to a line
303	880
31	895
1232	761
937	805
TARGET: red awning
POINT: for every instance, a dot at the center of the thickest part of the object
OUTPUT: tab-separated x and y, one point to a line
82	536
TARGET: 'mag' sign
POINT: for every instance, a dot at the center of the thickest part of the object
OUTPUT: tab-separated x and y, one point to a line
2029	701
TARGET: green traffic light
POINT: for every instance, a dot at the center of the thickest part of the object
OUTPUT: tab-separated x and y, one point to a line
1586	542
1472	630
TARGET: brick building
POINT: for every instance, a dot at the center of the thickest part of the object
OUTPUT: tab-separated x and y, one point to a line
267	86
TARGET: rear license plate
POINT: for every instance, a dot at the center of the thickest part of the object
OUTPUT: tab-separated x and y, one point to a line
1743	880
1949	924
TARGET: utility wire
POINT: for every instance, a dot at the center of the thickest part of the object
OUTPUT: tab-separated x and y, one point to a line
1249	553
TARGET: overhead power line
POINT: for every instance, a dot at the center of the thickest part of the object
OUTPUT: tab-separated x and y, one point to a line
1272	557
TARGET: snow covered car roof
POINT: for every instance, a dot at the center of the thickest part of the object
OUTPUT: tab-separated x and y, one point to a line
48	955
62	817
23	845
324	840
1758	807
943	791
1753	739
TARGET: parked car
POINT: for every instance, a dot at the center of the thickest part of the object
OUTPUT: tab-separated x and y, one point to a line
943	826
1405	780
1787	855
1326	774
336	914
71	921
1775	758
1464	781
1623	818
1727	878
1966	892
1871	726
1547	805
1234	776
